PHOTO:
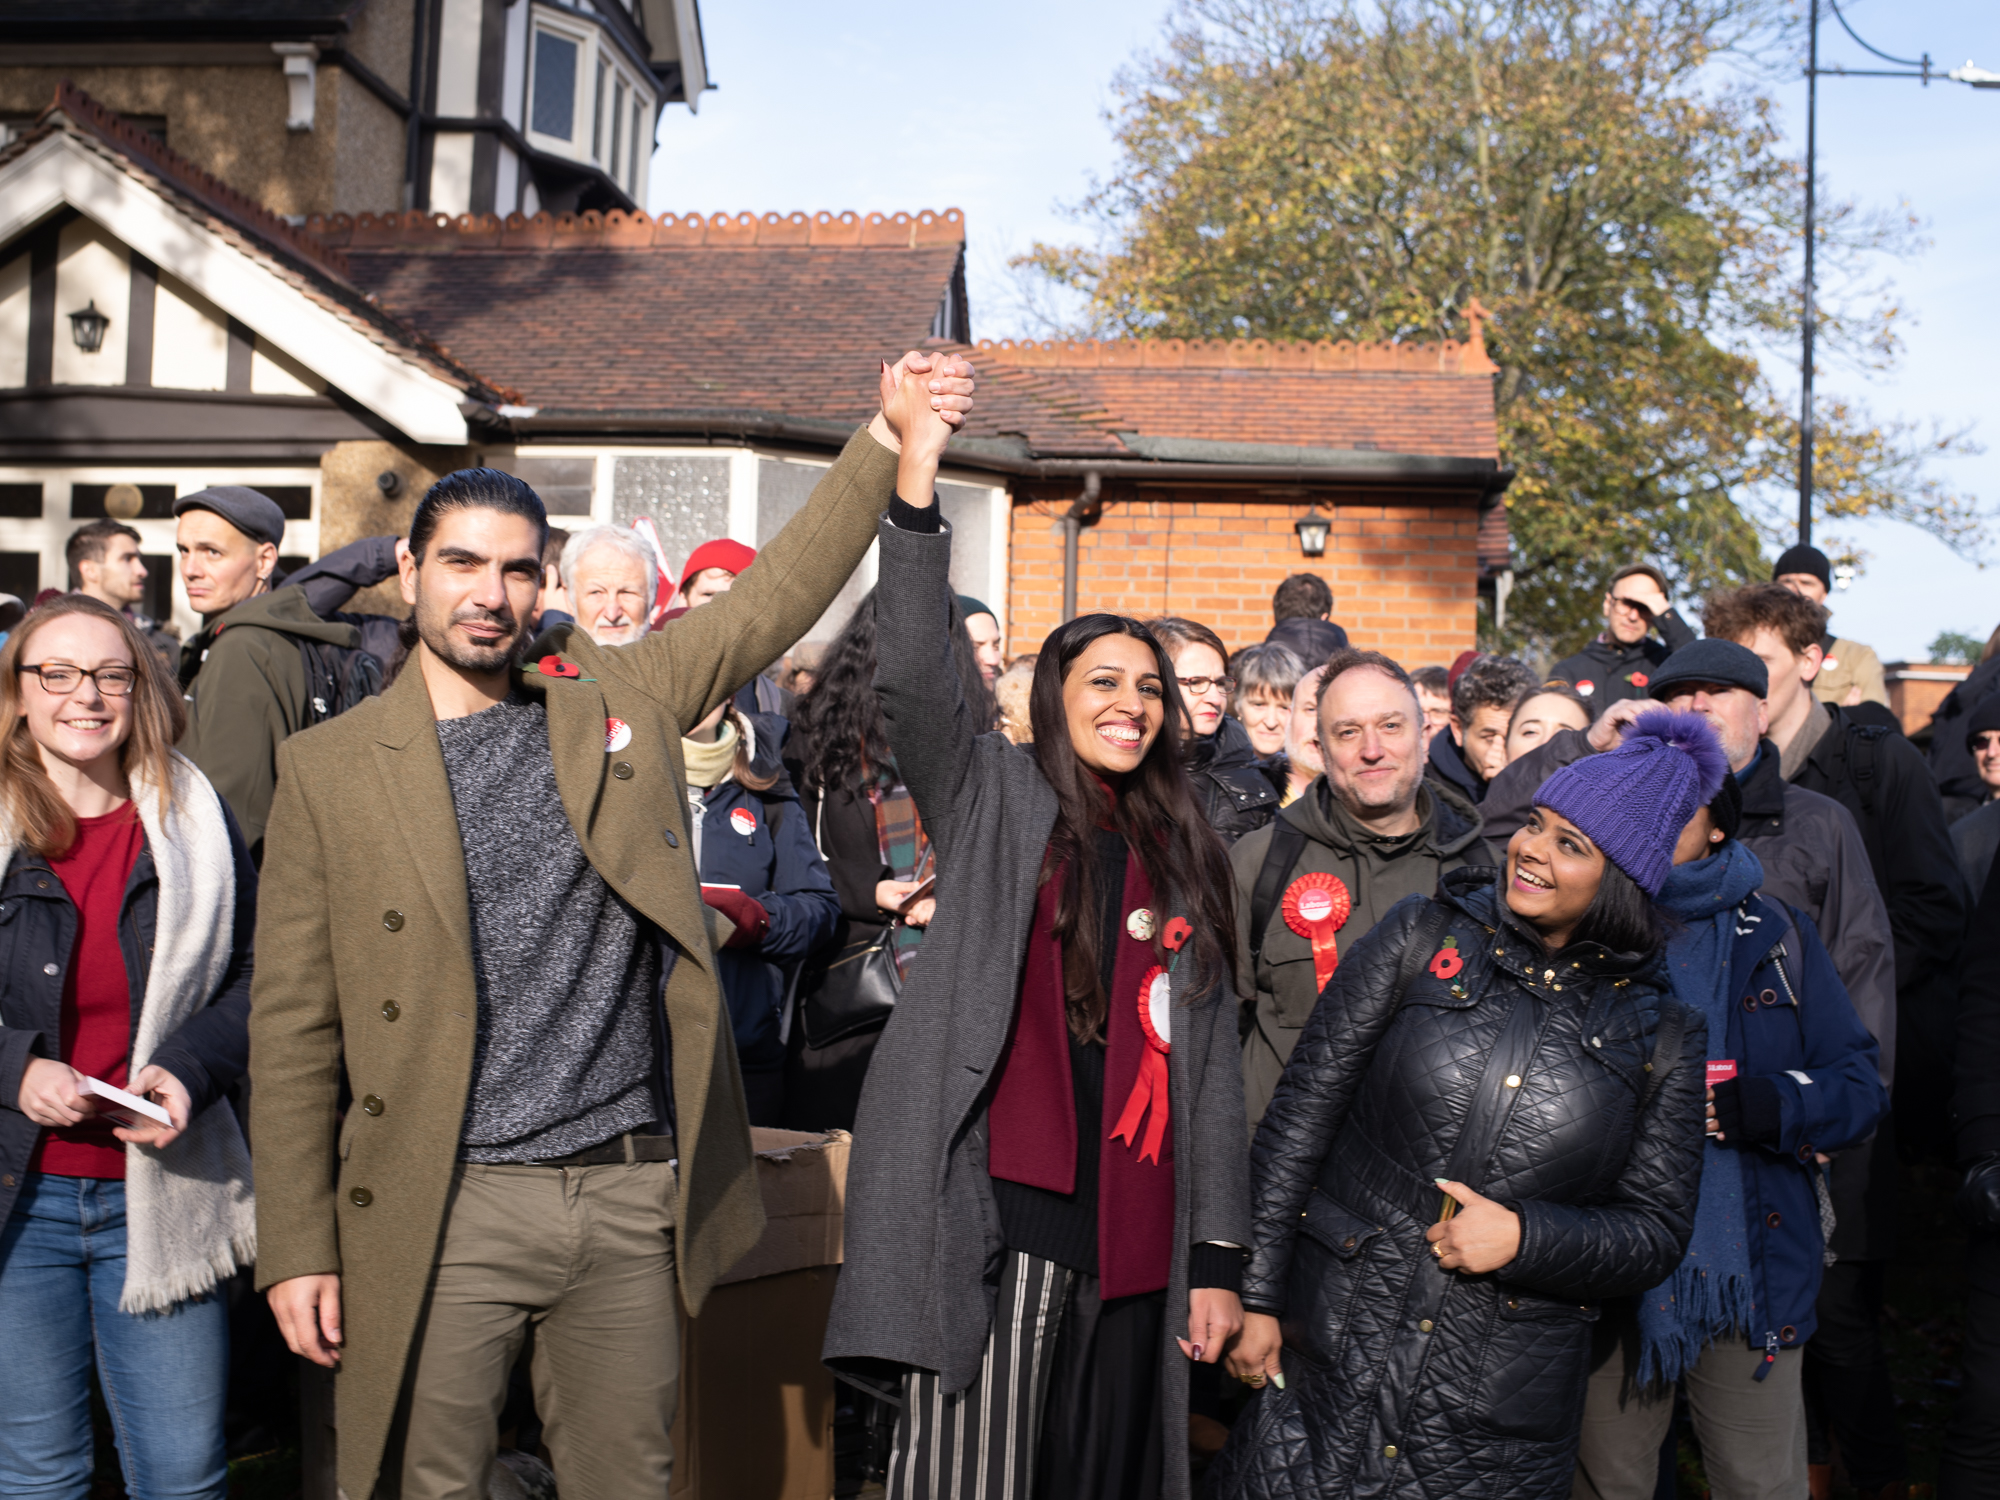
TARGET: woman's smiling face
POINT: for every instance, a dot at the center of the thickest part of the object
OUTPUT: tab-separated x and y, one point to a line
85	723
1553	871
1115	703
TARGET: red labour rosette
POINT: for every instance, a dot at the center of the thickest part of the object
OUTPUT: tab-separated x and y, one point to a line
1316	907
1149	1089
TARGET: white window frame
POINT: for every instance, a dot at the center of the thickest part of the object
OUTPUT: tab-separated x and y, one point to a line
584	36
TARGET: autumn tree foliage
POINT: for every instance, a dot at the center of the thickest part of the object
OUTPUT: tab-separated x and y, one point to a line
1311	170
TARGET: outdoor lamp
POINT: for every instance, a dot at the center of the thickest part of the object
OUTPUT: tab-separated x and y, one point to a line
1843	575
87	328
1312	530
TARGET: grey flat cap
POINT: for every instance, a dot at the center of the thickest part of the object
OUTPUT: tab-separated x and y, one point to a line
256	516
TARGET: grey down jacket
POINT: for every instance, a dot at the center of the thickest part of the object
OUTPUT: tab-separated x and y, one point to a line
1522	1075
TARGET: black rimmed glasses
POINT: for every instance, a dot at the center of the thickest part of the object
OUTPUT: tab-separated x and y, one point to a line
60	677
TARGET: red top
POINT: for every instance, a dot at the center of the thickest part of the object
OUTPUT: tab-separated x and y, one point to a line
96	997
1032	1117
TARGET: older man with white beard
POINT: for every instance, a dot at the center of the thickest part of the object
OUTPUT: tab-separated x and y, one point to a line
612	580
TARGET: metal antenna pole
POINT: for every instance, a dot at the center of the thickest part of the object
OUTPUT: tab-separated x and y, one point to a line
1806	362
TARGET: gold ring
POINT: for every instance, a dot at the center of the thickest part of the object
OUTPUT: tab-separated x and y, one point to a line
1438	1250
1256	1380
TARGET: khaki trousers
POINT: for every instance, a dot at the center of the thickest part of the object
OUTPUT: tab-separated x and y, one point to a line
1752	1432
585	1256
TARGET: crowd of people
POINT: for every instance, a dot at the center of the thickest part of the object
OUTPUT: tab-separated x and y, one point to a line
1477	1063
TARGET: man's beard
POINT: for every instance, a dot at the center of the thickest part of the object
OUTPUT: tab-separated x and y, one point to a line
618	635
435	632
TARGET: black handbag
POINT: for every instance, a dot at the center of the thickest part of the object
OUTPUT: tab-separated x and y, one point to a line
854	992
856	989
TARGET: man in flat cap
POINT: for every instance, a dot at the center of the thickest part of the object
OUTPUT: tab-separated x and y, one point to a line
245	675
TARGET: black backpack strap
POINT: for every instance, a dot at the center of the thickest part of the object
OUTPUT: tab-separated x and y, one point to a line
1667	1037
1288	842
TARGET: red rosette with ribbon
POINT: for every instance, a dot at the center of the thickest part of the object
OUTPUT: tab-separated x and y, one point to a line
1316	907
1149	1089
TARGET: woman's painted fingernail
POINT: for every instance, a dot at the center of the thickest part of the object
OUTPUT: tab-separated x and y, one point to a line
1441	1181
1197	1350
1278	1379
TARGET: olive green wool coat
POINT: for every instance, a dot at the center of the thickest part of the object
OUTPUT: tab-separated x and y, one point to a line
364	951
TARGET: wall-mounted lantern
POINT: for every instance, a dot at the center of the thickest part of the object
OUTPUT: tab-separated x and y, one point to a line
1312	530
87	328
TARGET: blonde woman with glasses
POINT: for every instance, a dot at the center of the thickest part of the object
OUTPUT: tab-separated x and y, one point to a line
127	907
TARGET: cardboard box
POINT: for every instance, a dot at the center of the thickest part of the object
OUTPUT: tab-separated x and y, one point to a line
756	1414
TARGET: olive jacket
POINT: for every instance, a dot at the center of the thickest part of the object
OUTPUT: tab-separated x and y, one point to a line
247	693
364	934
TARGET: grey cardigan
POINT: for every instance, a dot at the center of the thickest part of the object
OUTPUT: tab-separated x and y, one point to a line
923	1243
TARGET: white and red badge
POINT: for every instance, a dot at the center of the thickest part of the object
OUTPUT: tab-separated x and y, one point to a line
1586	687
617	735
1316	907
743	820
1149	1089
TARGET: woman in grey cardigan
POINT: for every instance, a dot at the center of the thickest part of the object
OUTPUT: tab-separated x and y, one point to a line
1047	1197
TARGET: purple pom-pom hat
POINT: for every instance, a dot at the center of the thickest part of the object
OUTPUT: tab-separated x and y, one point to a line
1634	801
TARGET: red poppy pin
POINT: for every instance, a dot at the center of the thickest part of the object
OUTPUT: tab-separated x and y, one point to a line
555	666
1178	931
1638	679
1447	961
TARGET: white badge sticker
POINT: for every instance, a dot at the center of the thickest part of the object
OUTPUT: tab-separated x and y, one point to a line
617	735
1160	1007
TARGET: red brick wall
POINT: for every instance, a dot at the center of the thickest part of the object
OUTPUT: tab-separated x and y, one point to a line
1403	568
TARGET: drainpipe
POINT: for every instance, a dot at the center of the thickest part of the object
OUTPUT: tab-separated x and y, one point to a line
1085	509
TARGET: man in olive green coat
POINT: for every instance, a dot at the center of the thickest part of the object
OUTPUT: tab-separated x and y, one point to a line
243	676
463	1198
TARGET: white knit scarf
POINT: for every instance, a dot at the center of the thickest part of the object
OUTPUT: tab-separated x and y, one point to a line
190	1218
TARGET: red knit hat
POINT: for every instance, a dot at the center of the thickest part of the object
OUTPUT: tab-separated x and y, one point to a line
720	553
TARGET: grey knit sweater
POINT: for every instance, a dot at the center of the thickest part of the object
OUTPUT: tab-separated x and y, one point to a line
566	970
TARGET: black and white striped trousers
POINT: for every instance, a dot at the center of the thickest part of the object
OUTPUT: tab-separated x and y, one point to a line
981	1443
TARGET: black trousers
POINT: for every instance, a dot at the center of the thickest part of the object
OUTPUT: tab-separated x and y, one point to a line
1848	1396
1969	1468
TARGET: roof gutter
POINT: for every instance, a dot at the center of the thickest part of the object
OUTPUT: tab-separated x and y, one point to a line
1405	471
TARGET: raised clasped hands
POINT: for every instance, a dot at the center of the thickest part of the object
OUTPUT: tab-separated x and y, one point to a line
925	397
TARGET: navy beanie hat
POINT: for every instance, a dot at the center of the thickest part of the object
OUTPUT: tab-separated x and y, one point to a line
1804	560
1634	801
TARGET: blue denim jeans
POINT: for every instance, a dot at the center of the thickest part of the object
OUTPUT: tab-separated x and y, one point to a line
164	1375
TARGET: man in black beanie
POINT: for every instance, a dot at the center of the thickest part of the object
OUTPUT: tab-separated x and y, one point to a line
1849	672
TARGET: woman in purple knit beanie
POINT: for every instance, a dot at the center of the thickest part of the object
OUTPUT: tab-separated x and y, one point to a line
1491	1124
1634	801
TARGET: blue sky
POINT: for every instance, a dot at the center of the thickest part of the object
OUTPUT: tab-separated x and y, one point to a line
999	110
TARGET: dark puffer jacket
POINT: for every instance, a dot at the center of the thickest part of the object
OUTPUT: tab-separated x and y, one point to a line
1522	1075
1606	672
1237	791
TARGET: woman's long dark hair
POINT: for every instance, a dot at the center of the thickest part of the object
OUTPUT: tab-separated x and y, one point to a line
1621	916
1155	811
840	718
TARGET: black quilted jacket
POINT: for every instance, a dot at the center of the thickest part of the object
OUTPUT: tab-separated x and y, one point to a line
1520	1074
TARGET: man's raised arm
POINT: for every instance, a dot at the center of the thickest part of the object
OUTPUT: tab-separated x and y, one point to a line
706	655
